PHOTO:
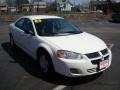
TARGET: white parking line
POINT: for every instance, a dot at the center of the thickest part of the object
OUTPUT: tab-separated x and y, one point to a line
110	45
60	87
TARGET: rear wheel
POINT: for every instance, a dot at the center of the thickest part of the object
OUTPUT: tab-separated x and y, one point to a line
12	43
45	63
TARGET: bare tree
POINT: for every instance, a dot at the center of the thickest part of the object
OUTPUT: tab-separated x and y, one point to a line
19	3
10	2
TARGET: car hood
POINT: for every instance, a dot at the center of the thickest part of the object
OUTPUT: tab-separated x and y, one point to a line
81	43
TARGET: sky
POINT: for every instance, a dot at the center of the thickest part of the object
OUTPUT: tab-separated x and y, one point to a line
72	1
77	1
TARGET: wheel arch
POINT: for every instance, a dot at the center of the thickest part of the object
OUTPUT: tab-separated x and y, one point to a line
10	34
46	49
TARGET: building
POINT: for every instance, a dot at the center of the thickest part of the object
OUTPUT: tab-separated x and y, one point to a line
64	6
98	5
3	7
39	6
27	7
34	7
12	9
105	5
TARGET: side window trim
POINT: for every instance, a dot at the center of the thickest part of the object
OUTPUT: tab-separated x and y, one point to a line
28	20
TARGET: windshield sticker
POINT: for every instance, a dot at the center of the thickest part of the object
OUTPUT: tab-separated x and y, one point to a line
37	21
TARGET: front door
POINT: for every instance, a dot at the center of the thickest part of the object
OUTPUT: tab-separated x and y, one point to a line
29	41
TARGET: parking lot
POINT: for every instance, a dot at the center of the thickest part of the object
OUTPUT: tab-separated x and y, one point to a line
19	72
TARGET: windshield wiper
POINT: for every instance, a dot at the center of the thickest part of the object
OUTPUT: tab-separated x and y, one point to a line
59	34
51	34
73	32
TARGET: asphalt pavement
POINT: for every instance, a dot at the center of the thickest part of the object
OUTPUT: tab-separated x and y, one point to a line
18	71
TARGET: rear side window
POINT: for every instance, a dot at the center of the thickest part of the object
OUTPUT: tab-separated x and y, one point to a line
20	23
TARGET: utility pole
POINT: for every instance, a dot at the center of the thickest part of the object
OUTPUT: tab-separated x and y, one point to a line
82	5
74	6
109	6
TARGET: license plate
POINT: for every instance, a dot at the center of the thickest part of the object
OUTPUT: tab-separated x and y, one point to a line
104	64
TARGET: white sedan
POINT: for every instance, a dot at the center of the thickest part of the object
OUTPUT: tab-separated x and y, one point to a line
60	46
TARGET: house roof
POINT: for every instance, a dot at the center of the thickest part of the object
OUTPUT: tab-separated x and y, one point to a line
67	2
3	4
70	3
27	5
39	2
98	2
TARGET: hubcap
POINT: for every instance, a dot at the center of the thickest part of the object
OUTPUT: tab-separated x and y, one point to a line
43	63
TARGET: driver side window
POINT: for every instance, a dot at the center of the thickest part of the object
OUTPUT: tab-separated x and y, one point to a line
28	25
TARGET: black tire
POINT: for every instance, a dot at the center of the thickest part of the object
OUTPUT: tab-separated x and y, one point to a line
45	63
12	43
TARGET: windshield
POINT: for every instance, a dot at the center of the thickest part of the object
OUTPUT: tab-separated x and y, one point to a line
45	27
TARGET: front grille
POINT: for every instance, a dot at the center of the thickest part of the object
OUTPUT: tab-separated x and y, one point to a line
104	52
97	57
75	71
97	54
96	61
93	55
106	58
91	70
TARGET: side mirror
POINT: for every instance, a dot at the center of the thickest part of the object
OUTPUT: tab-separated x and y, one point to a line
29	32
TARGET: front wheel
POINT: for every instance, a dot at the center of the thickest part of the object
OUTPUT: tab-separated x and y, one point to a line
45	63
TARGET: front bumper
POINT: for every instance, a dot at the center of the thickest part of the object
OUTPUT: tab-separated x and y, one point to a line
83	67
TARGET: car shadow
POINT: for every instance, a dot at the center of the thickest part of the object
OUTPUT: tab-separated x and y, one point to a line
31	67
114	21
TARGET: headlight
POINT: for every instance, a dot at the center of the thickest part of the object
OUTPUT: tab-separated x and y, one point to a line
68	55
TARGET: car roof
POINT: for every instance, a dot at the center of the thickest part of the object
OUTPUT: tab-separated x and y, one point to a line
33	17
